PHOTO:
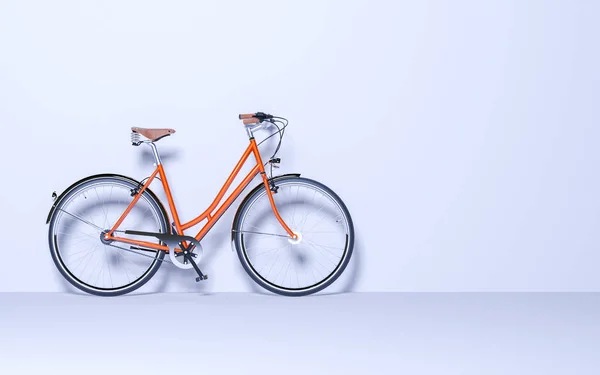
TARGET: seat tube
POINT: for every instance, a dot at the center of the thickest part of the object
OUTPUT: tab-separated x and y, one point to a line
166	187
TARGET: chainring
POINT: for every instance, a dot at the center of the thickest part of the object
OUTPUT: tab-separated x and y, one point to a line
179	260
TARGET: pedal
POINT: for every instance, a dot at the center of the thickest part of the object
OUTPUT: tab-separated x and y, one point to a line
201	276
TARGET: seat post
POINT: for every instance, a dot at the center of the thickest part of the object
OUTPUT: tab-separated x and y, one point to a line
155	151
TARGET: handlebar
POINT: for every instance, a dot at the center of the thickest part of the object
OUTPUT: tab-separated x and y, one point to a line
251	120
260	116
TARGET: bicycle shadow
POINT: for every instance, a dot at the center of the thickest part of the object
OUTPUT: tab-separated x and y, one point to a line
146	157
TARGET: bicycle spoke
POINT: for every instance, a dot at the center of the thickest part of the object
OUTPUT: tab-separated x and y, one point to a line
320	252
81	251
294	212
266	234
124	265
286	270
320	221
89	259
297	278
301	224
86	252
325	247
79	235
83	220
321	264
92	220
108	266
109	197
80	242
101	272
270	269
85	256
101	205
266	251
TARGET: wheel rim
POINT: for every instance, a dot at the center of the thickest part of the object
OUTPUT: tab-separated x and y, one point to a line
78	246
295	265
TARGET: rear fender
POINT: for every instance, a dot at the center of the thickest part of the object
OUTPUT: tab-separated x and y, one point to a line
64	193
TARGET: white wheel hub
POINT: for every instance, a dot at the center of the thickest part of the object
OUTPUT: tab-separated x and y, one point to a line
297	240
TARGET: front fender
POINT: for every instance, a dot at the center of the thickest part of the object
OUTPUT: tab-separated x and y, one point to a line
262	185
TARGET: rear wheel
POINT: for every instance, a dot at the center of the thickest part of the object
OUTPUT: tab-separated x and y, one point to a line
294	267
86	210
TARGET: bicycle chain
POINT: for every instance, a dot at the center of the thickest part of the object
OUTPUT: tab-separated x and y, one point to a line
144	255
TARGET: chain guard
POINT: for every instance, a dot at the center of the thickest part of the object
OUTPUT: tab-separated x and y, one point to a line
173	241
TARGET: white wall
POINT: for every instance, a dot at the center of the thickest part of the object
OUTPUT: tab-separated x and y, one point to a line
462	135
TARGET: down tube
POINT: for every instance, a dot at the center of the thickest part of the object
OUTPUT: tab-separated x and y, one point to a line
212	221
208	212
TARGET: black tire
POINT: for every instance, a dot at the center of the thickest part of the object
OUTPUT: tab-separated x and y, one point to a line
55	253
237	238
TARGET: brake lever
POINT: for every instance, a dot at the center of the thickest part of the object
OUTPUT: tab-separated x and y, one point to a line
275	162
263	116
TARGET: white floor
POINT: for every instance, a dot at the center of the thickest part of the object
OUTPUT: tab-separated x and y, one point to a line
359	333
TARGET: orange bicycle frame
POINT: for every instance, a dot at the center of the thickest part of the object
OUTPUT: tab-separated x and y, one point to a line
209	214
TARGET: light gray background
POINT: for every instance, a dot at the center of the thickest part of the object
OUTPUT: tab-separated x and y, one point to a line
462	135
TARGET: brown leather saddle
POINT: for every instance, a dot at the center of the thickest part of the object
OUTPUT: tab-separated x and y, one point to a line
153	134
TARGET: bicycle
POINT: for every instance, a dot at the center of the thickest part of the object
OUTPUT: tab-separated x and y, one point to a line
299	222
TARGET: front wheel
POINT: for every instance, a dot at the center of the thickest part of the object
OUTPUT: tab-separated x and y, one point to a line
307	264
